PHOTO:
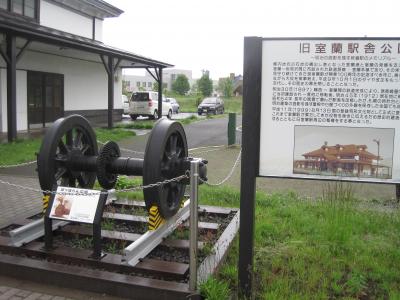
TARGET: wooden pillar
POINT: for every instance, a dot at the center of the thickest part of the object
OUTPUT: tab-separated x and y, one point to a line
160	84
250	155
110	91
11	88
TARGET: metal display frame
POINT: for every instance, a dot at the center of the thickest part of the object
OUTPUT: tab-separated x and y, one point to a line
252	82
97	247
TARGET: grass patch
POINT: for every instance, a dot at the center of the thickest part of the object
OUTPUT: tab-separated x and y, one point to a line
115	134
189	120
148	124
325	249
233	104
124	182
190	103
19	151
138	124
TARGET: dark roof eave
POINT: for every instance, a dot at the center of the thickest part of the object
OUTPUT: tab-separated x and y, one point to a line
81	44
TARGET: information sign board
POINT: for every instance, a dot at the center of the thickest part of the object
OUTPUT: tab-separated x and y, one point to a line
330	108
74	204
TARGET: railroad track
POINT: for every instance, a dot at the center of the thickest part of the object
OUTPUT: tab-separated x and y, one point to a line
163	272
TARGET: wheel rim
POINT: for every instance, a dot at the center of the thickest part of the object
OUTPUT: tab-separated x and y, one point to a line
166	148
66	141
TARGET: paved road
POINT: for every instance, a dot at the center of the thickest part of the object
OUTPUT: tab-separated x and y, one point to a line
209	132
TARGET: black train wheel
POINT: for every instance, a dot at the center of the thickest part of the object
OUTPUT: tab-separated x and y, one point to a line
68	138
165	149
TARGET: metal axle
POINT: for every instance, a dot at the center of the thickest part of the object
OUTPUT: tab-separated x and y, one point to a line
120	165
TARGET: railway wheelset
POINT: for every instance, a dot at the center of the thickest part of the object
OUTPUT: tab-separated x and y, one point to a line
69	156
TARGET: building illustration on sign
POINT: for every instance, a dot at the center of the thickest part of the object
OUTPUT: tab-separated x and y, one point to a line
343	159
349	160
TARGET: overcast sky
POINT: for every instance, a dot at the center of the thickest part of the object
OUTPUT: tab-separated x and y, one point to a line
208	34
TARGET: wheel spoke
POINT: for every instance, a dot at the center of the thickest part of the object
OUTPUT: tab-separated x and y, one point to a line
63	148
178	152
69	138
164	166
85	148
64	181
173	196
78	139
60	172
82	182
173	140
71	181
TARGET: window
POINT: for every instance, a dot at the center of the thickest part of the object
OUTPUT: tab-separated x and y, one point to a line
17	6
138	83
4	4
149	84
27	8
143	84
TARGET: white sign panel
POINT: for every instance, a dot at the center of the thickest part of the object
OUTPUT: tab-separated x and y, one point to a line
75	204
331	108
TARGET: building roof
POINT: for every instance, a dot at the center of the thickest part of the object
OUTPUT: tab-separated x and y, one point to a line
21	27
94	8
332	152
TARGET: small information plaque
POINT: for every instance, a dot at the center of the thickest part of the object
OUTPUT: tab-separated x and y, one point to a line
73	204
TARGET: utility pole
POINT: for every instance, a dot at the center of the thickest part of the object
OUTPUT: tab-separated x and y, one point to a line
378	143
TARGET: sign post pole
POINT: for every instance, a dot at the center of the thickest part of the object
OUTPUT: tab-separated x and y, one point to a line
194	187
250	154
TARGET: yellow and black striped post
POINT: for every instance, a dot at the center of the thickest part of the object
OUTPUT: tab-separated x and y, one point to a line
155	219
45	202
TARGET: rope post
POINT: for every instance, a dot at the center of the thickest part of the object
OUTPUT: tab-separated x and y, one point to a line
232	129
194	189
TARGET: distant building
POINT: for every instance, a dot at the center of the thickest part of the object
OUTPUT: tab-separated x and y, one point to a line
134	83
237	84
347	160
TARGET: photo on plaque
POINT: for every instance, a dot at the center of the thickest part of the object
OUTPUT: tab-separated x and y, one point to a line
62	207
343	151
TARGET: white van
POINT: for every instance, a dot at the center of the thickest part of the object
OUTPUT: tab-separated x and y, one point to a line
146	104
125	104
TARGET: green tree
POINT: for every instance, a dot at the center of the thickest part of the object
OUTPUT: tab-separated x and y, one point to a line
225	86
205	84
181	84
155	86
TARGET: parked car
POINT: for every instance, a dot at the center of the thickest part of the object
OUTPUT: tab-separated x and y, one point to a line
125	104
174	104
146	104
211	105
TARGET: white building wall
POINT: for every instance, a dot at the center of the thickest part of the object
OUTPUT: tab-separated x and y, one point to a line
3	99
66	20
22	106
99	30
22	103
85	85
135	79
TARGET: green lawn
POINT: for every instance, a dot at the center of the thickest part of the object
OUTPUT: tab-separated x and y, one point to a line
24	150
19	151
312	249
114	134
325	249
